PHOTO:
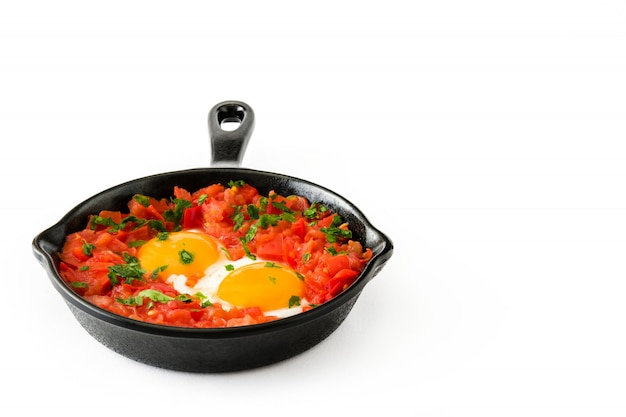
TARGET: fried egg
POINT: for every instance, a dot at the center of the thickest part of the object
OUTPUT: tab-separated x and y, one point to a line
193	262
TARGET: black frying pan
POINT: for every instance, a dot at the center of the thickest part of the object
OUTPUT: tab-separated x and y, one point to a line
221	349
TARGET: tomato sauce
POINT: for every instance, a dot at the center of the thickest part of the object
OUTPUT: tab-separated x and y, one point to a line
100	264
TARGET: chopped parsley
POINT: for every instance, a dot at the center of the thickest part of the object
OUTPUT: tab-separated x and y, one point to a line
88	248
251	233
142	199
175	215
185	257
227	253
253	211
237	183
129	271
281	207
334	232
204	301
157	225
238	218
110	223
333	251
155	272
263	201
289	217
313	210
294	300
136	243
101	221
184	298
246	249
151	294
266	220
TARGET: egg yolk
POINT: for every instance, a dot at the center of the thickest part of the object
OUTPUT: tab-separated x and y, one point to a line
268	286
182	253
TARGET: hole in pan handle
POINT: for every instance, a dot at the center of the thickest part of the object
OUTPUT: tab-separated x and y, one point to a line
229	145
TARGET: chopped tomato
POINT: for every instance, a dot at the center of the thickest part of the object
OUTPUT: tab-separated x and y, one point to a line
271	247
182	193
299	228
192	218
115	216
150	212
340	281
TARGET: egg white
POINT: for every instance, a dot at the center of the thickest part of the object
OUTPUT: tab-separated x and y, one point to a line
213	276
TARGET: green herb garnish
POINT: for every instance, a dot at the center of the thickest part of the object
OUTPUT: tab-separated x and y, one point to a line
185	257
88	248
175	215
129	271
142	199
237	183
294	300
334	233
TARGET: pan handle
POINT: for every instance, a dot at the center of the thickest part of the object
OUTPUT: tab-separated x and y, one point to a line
229	146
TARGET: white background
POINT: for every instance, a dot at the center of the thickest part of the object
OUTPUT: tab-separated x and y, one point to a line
486	138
